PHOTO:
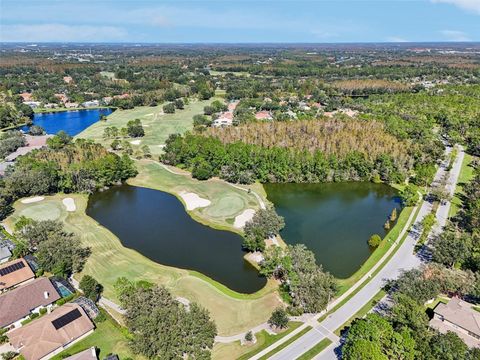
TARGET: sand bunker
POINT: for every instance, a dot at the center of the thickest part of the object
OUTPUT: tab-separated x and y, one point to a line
243	218
32	199
135	142
193	201
69	204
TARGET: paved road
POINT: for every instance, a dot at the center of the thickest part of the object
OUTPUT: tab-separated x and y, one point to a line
403	259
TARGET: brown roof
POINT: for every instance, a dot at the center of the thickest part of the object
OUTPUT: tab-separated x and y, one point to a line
15	277
89	354
40	337
460	313
19	302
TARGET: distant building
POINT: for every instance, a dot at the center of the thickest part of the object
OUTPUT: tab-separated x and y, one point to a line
15	273
62	97
232	105
67	79
92	103
225	119
32	104
50	106
26	96
20	302
263	115
52	333
458	316
71	105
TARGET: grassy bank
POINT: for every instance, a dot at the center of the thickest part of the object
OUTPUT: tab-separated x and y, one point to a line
55	110
388	241
232	312
236	351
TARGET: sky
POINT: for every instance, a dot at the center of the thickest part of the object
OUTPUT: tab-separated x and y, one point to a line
240	21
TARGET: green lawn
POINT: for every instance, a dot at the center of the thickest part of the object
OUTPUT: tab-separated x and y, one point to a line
107	338
466	174
157	125
236	351
232	312
317	349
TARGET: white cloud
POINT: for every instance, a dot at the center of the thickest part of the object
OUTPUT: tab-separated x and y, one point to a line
455	35
60	33
470	5
396	39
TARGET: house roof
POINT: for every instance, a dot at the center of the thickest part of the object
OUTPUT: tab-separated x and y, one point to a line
19	302
89	354
460	313
263	115
50	332
18	276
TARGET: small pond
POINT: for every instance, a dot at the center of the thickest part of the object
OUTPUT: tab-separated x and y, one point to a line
156	224
334	220
72	122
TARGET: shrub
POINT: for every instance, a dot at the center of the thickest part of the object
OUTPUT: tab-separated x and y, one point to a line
374	241
43	311
249	336
169	108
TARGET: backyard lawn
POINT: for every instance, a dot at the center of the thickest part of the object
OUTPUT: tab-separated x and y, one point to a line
107	338
232	312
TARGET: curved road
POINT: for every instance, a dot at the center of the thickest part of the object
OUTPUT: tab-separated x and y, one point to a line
403	259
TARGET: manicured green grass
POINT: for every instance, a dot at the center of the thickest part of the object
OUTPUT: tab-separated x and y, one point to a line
227	202
232	312
439	299
286	343
314	351
236	351
388	241
157	126
107	337
362	312
466	174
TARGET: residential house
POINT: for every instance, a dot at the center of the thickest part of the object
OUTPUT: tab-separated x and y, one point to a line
89	354
24	300
15	273
67	79
458	316
225	119
26	96
52	333
62	97
32	104
264	115
232	105
71	105
92	103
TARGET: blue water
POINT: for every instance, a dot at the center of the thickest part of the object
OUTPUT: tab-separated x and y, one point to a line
72	122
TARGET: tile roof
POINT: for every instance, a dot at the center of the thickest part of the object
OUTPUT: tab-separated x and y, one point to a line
40	338
16	277
460	313
19	302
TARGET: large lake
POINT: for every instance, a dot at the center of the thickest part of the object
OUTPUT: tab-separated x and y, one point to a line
72	122
334	220
156	224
